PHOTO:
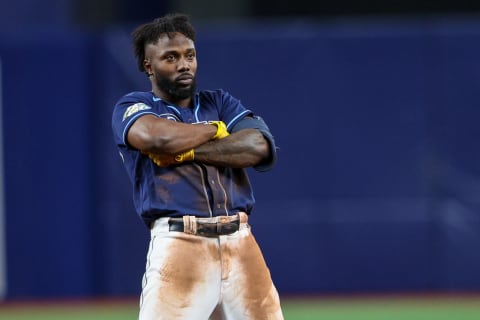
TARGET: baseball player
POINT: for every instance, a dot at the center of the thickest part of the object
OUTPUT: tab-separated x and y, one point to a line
185	152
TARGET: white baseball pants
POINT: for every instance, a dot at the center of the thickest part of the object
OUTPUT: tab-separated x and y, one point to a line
194	277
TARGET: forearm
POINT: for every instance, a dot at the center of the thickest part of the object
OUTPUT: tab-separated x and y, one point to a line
181	138
245	148
156	135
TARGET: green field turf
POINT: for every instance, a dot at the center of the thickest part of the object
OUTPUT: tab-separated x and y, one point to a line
399	308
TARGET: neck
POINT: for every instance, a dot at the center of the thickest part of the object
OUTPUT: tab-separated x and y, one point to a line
187	102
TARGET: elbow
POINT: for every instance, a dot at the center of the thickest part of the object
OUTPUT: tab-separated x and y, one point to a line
267	154
262	147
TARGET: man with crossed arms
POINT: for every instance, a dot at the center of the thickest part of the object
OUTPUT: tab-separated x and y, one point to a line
185	152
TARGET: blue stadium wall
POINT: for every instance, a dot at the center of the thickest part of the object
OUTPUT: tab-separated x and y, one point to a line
377	184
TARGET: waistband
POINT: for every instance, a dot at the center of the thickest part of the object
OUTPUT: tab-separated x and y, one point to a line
207	227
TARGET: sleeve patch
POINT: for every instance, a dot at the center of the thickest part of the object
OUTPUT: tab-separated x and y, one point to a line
134	109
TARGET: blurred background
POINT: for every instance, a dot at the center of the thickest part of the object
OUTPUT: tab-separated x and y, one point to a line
374	105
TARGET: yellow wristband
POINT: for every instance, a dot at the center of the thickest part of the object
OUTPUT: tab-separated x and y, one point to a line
161	160
185	156
222	131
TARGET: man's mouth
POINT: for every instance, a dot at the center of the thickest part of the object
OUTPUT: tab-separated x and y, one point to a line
185	79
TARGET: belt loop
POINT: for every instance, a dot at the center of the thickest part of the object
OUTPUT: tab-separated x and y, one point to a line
189	224
243	217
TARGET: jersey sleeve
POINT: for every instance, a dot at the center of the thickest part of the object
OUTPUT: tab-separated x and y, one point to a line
256	122
238	117
231	110
128	109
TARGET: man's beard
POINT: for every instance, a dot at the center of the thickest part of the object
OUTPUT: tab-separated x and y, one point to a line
175	90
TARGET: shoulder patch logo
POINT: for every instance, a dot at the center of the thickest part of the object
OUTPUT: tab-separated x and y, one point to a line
134	109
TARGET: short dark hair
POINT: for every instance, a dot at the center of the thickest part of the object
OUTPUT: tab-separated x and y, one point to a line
149	33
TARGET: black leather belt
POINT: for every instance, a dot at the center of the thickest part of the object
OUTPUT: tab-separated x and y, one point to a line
208	229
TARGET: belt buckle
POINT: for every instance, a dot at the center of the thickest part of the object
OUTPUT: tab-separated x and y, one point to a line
224	225
226	228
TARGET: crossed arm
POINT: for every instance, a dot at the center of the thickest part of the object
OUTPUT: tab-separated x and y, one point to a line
167	139
245	148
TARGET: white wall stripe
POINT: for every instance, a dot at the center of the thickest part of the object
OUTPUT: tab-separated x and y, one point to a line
3	261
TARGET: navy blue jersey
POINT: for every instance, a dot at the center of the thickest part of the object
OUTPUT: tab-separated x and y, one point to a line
189	188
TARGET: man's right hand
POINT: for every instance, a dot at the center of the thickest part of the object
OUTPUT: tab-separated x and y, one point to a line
162	160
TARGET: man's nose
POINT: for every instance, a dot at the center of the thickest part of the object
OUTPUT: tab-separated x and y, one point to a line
183	65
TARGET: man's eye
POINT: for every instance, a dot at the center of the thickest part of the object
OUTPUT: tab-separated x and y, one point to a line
170	57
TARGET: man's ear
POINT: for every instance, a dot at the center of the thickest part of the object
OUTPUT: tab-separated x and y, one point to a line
147	66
